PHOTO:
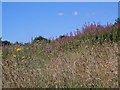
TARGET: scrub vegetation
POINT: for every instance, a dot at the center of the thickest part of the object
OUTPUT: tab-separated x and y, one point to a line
83	59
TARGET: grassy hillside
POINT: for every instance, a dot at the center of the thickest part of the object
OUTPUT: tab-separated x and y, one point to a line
83	59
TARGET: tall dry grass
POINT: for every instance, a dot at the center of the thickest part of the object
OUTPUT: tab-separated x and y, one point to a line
89	66
86	59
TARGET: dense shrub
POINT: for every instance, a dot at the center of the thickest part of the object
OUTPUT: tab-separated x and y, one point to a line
6	42
39	38
61	36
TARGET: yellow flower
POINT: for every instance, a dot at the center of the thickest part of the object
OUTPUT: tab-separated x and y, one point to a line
18	49
23	57
14	56
27	48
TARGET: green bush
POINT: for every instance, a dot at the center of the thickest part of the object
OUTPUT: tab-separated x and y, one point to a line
6	43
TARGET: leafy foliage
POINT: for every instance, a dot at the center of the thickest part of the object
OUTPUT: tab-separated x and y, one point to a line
40	38
6	43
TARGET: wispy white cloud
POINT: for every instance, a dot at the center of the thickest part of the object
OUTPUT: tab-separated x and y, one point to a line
75	13
90	14
60	14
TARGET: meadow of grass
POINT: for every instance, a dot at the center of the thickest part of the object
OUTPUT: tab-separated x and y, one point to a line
87	58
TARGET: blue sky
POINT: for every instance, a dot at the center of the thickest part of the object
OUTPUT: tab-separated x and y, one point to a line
22	21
